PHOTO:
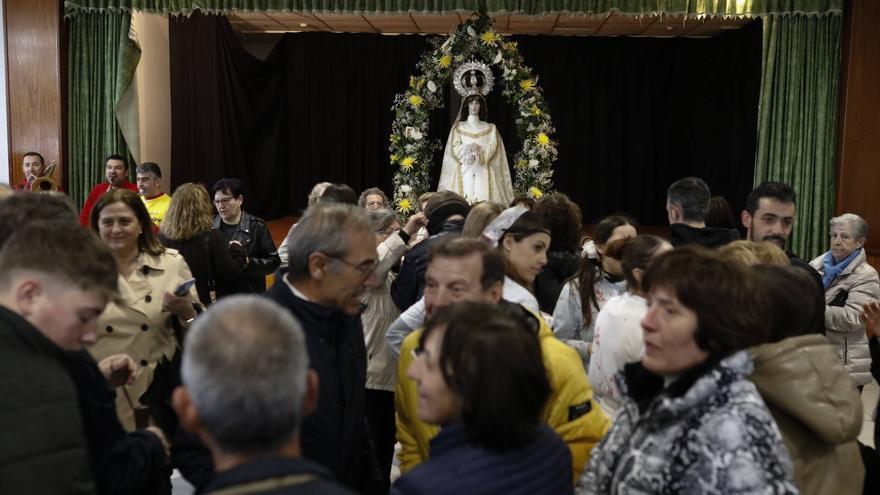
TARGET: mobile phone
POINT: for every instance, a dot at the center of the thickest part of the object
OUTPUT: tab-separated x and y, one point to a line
184	287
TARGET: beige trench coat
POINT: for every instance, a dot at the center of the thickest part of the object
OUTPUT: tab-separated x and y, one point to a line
843	325
137	326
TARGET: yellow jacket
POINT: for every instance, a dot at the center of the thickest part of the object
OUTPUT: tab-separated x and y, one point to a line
571	410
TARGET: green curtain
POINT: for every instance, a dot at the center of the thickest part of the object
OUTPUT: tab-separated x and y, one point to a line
797	119
531	7
101	64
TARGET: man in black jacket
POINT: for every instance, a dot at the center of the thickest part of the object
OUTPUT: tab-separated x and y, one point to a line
687	203
332	258
54	438
245	232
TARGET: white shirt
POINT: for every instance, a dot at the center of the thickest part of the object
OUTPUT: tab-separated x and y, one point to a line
617	341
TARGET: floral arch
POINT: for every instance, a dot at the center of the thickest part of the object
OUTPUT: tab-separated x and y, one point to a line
412	150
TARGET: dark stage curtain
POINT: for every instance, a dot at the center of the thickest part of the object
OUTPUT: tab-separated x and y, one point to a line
632	114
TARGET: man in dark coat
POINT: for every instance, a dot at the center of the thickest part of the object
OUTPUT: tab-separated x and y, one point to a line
445	213
687	203
246	386
332	258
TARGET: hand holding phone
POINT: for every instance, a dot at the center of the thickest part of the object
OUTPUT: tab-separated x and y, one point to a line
183	288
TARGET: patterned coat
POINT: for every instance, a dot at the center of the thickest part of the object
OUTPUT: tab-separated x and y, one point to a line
712	434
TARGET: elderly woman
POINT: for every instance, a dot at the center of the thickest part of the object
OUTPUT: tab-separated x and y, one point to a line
380	312
481	377
690	421
143	321
849	283
373	199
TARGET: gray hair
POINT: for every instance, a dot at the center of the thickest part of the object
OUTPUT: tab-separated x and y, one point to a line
317	191
362	201
692	195
382	219
858	227
323	228
244	365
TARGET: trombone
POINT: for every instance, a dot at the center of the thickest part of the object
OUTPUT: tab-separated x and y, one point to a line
45	183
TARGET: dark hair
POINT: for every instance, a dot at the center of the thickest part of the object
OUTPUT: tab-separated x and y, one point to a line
339	193
525	201
779	191
720	214
232	187
635	252
149	168
453	246
464	112
591	270
147	241
48	247
798	302
20	209
362	201
529	223
733	310
492	360
34	153
121	158
692	195
563	216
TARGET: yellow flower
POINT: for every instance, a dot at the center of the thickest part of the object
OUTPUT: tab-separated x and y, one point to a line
522	164
415	100
535	192
510	46
445	61
543	139
488	37
404	205
412	81
393	158
407	162
535	110
526	84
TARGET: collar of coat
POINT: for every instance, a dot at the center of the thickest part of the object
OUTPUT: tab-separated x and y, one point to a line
645	389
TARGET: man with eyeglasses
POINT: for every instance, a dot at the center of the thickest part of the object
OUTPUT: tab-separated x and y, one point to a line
332	259
245	232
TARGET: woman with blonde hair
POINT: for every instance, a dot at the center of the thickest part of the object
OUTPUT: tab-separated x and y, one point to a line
754	253
480	216
187	228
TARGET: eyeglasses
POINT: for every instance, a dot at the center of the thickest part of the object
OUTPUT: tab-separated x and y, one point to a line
223	201
365	269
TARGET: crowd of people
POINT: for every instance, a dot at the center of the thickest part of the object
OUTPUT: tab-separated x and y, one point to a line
464	349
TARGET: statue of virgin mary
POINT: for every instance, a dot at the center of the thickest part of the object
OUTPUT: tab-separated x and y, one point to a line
475	161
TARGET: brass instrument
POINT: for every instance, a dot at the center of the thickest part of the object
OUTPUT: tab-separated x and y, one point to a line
45	183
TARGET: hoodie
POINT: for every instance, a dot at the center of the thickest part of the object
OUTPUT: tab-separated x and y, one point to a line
817	408
708	237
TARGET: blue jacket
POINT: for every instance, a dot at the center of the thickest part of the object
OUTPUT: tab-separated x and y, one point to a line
456	467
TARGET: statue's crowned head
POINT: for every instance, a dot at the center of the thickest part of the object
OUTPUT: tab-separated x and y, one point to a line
473	78
482	111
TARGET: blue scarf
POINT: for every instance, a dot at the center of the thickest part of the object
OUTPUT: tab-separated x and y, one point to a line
832	270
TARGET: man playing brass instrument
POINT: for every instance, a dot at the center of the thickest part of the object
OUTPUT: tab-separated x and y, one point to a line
32	166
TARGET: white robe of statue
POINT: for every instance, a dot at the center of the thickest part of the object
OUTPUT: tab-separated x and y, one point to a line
475	162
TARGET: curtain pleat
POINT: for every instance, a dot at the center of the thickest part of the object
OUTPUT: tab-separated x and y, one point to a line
797	119
101	63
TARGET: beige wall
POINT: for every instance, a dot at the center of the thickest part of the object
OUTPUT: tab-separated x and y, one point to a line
154	92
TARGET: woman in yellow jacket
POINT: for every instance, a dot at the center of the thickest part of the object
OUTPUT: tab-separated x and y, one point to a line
571	410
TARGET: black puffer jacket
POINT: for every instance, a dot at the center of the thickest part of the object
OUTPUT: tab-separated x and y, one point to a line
335	434
708	237
43	447
253	234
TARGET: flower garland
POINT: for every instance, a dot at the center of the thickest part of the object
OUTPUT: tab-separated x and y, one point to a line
411	149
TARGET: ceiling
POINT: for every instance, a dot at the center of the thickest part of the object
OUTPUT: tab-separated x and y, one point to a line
568	25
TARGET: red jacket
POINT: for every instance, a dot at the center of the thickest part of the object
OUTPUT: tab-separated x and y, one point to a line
94	195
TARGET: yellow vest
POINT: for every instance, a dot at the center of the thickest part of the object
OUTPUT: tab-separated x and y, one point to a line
571	396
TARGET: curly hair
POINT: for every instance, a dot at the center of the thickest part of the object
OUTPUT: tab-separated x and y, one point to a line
189	214
563	217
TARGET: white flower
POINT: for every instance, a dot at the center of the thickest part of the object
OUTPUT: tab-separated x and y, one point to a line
413	133
405	189
432	87
533	163
498	57
471	32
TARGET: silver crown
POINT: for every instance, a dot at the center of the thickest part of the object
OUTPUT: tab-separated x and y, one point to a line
467	79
